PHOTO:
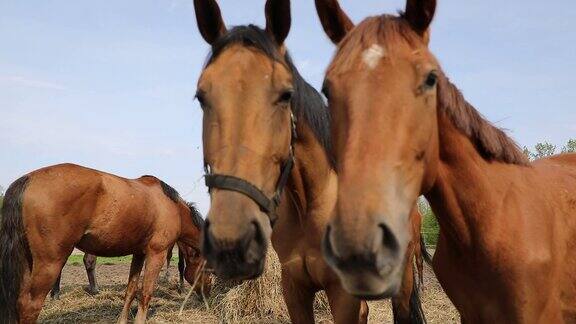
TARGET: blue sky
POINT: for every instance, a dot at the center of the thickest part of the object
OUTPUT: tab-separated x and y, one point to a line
110	84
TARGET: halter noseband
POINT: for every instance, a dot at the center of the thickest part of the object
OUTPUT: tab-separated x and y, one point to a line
232	183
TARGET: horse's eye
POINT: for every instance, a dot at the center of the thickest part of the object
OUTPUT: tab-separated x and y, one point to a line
431	80
286	97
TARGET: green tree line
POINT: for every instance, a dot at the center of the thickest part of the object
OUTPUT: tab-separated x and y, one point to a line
545	149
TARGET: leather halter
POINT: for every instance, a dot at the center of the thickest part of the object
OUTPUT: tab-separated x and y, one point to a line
232	183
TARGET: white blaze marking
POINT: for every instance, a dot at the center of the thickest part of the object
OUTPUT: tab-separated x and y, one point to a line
372	55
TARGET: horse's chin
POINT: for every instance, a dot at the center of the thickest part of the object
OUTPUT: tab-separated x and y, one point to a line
368	285
239	271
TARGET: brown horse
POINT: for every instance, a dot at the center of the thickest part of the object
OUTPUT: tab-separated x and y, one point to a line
90	265
50	211
265	128
507	250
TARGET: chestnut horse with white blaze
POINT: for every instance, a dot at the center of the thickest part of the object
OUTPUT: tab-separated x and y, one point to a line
266	136
48	212
507	248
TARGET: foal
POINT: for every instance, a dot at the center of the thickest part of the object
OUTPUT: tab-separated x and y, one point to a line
48	212
507	249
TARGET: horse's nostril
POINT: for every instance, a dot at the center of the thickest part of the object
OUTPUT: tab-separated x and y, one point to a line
327	248
258	234
389	240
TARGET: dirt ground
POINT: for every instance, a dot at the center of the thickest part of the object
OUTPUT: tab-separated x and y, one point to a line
77	306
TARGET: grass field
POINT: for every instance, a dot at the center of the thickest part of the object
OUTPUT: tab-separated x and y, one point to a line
76	260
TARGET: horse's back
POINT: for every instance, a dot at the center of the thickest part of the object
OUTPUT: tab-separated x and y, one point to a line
53	189
126	213
101	213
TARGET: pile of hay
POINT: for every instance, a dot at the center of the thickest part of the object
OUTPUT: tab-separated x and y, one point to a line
257	300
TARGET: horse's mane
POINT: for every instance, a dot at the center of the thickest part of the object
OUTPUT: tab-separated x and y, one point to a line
195	214
491	142
307	103
171	193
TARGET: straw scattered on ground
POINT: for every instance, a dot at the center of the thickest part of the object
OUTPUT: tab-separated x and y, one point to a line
258	301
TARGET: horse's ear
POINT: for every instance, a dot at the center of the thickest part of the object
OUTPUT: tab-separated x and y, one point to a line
419	13
334	20
209	18
278	19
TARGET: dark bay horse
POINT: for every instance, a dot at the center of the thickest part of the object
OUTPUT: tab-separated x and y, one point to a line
266	136
48	212
507	249
90	265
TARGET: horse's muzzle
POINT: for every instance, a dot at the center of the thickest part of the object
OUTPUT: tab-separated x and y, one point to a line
369	274
241	259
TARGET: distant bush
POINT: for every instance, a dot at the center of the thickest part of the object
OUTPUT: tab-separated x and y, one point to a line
430	227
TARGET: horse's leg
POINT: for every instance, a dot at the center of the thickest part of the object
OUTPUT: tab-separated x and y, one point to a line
401	302
55	292
135	268
299	300
346	308
41	280
181	268
90	264
419	258
166	277
154	263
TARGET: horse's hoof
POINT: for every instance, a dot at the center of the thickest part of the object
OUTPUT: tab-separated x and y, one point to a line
91	291
55	297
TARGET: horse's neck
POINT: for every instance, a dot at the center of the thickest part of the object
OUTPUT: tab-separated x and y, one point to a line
189	233
468	191
313	182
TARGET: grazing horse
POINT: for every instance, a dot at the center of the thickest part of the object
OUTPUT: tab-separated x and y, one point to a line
50	211
90	265
507	248
265	130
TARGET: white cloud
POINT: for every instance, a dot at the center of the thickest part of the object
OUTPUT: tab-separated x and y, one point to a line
20	81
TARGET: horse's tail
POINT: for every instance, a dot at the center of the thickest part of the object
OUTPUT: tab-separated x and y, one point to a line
416	312
14	251
425	255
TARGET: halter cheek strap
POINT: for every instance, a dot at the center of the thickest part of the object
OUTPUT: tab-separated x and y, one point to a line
267	205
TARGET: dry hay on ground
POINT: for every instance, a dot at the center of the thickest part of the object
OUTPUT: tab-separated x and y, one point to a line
257	301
